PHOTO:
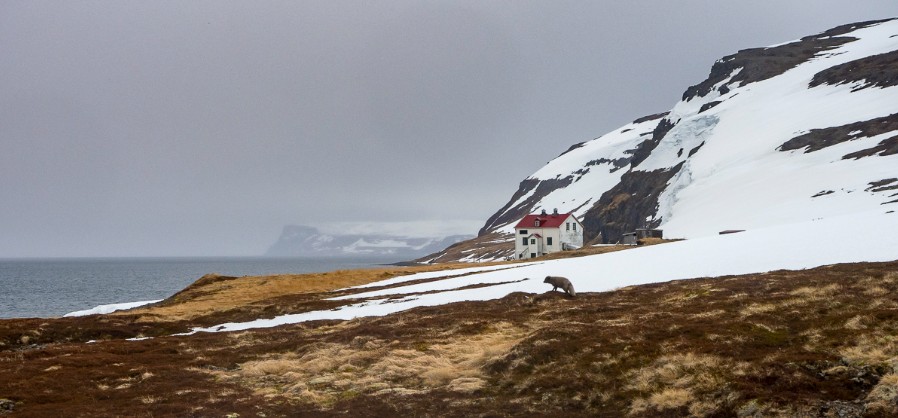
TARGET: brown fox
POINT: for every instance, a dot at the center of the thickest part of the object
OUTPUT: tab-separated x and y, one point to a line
562	282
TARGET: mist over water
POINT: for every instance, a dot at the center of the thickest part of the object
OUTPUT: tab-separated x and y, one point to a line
54	287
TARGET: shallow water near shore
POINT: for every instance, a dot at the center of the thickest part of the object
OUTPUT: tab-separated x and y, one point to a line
54	287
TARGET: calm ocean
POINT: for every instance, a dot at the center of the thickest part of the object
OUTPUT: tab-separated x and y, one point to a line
54	287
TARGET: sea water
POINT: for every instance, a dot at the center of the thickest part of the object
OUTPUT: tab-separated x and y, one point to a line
54	287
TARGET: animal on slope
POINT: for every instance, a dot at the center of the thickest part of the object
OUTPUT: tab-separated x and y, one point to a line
562	282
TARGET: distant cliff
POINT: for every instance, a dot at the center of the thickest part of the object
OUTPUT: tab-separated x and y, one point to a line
299	240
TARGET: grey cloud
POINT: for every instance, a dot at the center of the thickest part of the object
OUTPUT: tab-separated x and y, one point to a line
202	127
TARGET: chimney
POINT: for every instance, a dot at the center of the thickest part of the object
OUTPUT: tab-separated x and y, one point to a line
544	212
555	212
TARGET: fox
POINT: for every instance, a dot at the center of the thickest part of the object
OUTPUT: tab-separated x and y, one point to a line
562	282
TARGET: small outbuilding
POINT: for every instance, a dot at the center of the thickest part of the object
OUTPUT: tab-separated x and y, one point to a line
544	233
633	238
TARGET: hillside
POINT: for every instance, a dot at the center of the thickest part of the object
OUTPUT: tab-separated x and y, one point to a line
817	342
787	133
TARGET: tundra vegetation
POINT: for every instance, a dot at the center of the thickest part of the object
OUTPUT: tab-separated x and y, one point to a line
817	342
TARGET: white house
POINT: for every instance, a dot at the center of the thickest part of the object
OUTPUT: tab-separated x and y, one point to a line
536	235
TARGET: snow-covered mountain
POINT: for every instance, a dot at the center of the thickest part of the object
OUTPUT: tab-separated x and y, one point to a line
303	241
788	133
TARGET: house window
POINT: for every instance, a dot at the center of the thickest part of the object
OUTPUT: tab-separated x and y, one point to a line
532	255
536	223
548	240
524	241
533	241
523	232
575	227
567	226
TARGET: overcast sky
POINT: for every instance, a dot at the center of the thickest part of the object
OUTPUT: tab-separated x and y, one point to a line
183	128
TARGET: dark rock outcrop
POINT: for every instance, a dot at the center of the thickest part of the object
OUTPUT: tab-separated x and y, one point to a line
627	205
874	71
888	146
705	107
818	139
759	64
651	117
573	147
7	405
646	147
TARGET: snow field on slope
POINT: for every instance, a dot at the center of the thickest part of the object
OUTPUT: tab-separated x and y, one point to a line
739	180
839	239
741	135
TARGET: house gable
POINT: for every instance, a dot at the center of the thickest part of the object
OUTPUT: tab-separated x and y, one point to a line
543	221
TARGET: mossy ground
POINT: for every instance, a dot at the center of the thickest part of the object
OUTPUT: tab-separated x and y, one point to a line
816	342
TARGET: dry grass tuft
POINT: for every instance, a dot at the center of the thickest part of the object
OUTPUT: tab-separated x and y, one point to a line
695	382
873	349
883	399
876	291
466	384
328	371
857	322
758	309
817	293
671	398
709	314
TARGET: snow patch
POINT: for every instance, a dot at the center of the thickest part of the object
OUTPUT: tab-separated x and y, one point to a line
105	309
842	239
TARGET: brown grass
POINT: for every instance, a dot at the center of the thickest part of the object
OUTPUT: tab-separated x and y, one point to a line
883	399
684	382
324	373
214	293
784	343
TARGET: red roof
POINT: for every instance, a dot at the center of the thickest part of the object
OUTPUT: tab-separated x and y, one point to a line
545	221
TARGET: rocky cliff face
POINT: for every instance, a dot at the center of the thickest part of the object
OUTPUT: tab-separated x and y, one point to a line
779	134
306	241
